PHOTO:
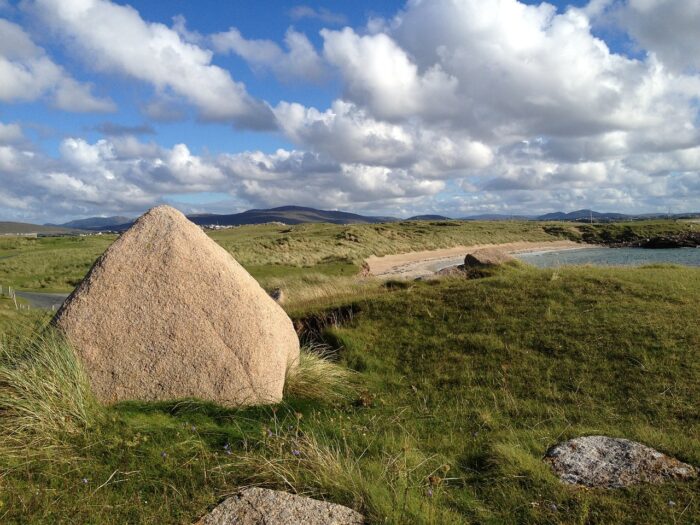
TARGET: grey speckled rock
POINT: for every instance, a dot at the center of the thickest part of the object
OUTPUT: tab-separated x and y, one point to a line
600	461
255	506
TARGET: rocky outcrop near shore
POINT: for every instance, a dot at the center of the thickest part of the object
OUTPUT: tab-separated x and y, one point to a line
678	240
682	240
487	257
672	235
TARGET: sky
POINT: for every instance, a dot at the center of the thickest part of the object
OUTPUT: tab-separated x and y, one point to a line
456	107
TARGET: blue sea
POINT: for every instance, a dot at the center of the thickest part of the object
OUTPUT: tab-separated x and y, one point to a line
613	257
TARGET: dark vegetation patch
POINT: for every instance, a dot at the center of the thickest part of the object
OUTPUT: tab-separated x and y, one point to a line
317	328
397	284
642	234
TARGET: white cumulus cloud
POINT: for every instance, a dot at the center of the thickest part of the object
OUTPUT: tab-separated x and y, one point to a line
114	38
299	61
27	74
668	28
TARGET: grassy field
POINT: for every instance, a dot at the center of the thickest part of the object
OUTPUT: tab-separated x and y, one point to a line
51	264
458	398
267	251
271	251
444	418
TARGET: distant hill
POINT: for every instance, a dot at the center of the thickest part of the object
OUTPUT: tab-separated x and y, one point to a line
285	214
94	223
300	214
583	215
23	228
496	217
429	218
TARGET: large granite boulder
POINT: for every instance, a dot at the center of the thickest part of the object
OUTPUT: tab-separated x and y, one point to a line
486	257
255	506
166	313
601	461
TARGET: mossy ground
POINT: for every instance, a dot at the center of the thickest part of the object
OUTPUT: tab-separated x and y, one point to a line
461	387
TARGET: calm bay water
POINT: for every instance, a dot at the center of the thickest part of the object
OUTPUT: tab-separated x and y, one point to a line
613	257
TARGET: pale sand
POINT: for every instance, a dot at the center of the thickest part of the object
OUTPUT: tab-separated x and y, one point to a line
421	264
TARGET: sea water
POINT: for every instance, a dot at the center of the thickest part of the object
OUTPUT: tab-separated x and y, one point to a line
613	257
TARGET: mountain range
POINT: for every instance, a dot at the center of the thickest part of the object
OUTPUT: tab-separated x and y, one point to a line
25	228
300	214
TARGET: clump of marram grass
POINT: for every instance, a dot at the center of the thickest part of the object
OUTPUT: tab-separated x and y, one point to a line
302	291
45	397
300	462
392	487
315	376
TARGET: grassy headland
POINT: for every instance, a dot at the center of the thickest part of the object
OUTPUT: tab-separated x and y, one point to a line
458	398
457	389
621	233
271	251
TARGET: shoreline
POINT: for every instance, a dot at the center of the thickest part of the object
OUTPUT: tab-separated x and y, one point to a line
427	262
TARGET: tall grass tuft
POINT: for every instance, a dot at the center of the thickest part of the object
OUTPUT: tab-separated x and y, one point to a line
302	463
45	398
316	377
302	292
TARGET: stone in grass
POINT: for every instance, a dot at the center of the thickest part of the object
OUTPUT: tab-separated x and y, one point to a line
278	295
166	313
601	461
486	257
256	506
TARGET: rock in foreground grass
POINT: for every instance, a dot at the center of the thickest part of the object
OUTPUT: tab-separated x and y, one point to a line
255	506
601	461
166	313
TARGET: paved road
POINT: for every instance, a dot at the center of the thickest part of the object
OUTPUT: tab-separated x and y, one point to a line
45	301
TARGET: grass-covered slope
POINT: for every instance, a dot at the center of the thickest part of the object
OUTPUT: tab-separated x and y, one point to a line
310	244
50	264
621	233
492	372
23	228
462	386
269	251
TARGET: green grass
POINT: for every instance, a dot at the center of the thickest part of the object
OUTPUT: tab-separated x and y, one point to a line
312	244
620	232
271	251
267	251
13	320
52	264
496	370
316	376
45	398
461	387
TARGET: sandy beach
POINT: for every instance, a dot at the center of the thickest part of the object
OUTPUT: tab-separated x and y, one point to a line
424	263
